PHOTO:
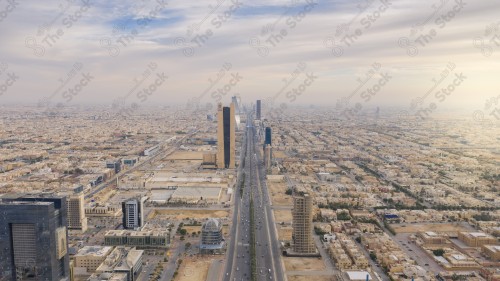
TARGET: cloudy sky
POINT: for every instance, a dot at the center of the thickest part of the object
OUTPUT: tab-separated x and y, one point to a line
373	53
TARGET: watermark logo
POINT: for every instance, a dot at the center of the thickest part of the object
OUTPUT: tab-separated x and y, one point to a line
291	93
195	103
48	36
490	41
301	88
440	91
11	6
85	79
347	34
11	79
221	92
196	37
369	85
270	36
121	37
141	90
67	92
490	108
421	36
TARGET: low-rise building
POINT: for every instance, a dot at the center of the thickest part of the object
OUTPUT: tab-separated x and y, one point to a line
492	251
123	260
476	239
89	258
196	194
106	210
145	238
431	238
108	277
212	240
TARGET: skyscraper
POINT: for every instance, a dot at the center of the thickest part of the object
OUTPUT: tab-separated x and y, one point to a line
33	239
133	212
236	101
258	110
226	137
267	140
76	212
302	225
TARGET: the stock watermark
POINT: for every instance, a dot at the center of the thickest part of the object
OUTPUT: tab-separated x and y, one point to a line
270	35
6	10
373	82
225	89
347	34
490	108
440	90
198	34
121	37
489	42
216	92
425	32
145	85
71	84
9	80
295	84
53	31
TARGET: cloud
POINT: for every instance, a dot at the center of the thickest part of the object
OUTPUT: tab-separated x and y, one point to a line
147	32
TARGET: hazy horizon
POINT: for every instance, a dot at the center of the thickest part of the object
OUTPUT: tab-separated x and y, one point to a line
258	50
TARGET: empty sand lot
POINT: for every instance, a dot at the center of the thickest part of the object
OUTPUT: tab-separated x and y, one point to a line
181	214
193	269
284	233
278	196
283	216
186	155
309	278
303	264
420	227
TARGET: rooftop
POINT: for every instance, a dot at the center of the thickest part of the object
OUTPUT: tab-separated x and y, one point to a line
98	251
358	275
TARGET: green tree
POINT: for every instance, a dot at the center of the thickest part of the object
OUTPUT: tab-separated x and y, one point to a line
438	252
343	216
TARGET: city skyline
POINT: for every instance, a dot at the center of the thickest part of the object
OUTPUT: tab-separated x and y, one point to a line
224	140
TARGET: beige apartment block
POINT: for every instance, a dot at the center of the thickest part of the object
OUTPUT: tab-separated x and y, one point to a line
432	238
302	224
492	251
476	239
76	212
91	257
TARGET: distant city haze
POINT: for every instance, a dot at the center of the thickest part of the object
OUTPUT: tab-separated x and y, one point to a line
376	53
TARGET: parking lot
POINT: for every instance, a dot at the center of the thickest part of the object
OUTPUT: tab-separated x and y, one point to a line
417	253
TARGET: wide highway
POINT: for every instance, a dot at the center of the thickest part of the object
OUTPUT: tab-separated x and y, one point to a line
267	249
